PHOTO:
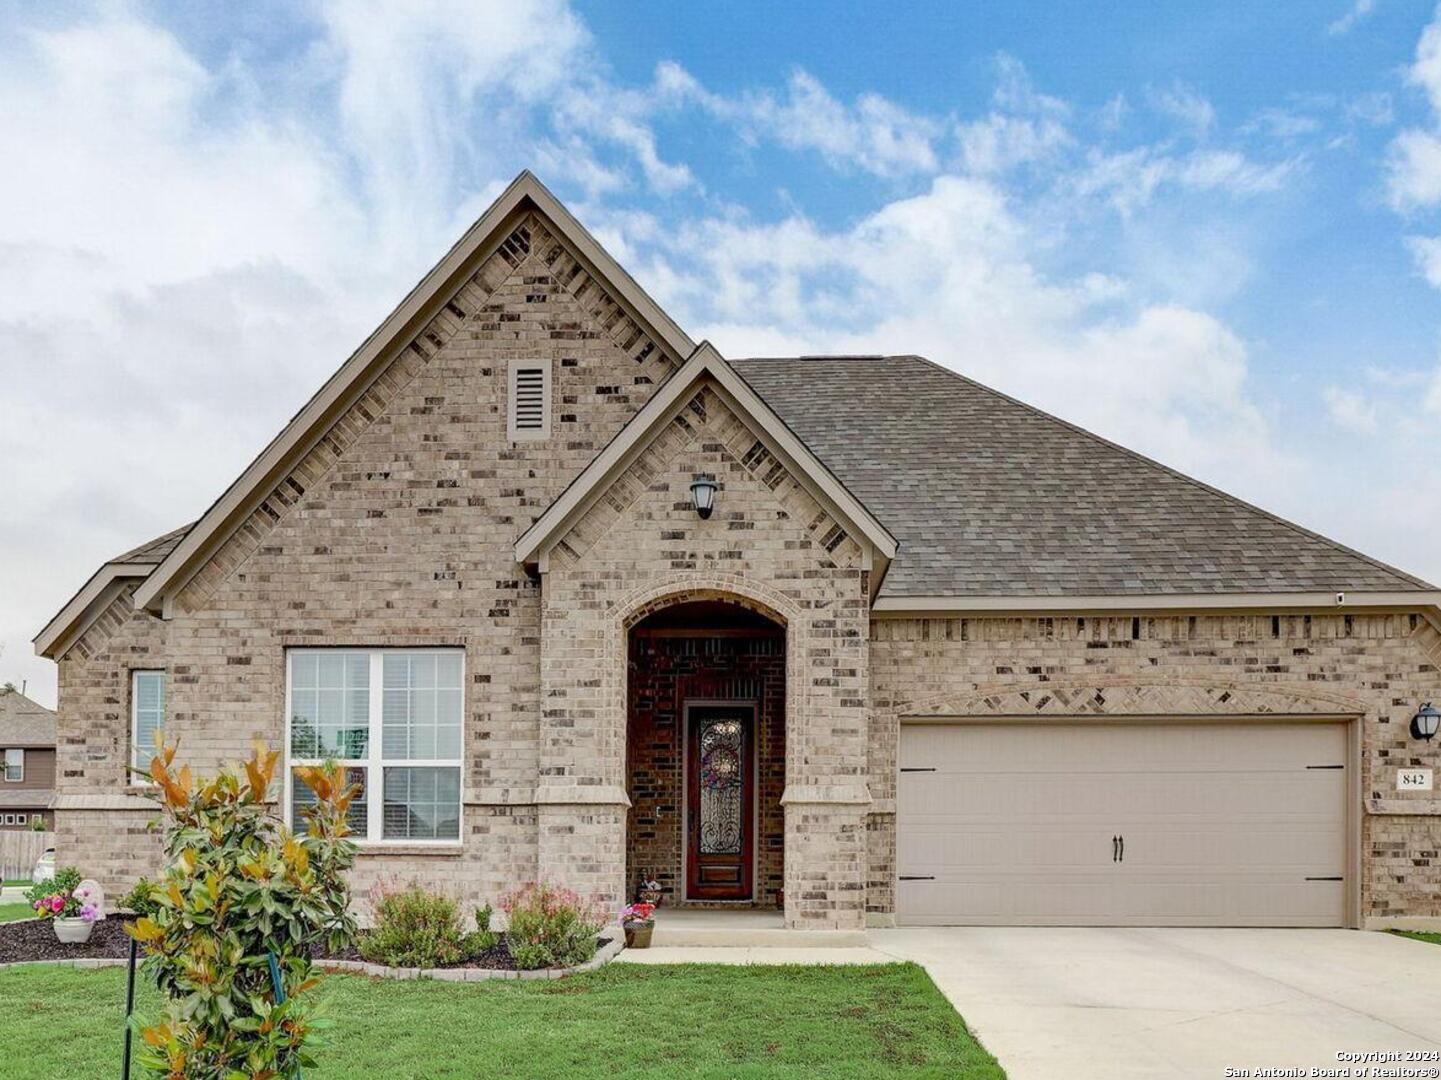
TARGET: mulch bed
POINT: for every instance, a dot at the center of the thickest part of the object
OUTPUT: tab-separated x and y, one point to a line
34	939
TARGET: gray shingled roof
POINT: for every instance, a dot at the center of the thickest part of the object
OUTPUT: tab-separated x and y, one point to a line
24	722
153	552
990	497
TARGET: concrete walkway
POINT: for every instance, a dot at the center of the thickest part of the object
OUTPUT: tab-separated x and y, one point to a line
1070	1004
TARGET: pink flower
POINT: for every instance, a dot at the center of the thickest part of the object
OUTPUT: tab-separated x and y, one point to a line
57	904
89	913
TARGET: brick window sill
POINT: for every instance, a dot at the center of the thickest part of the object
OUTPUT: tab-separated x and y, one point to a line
443	851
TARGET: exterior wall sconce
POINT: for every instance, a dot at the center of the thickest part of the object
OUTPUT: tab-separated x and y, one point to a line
702	494
1425	722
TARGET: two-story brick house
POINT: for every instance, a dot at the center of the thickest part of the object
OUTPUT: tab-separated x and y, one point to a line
578	599
27	762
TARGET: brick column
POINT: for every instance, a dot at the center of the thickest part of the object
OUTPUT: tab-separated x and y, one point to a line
580	796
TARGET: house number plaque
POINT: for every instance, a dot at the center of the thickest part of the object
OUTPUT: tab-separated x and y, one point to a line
1413	780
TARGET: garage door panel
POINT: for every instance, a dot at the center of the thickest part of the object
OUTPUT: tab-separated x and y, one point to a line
1015	824
1294	794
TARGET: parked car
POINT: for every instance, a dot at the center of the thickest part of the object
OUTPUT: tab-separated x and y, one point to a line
44	866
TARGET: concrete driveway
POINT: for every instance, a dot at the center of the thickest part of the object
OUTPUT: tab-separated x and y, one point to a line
1067	1004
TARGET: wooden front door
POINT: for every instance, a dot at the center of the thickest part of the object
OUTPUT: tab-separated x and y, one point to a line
720	802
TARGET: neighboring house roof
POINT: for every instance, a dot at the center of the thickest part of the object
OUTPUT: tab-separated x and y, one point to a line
26	798
705	363
24	722
990	497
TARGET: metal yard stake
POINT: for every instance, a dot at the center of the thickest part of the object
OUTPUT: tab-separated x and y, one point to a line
129	1008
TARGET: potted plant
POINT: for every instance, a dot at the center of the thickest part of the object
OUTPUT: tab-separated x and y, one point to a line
68	903
650	891
638	921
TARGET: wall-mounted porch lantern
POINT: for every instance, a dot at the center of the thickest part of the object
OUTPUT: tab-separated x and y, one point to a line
702	494
1425	722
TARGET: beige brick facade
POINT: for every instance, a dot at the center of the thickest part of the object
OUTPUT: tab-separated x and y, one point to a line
398	526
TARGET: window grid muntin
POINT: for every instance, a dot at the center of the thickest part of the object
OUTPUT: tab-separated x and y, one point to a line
375	762
15	764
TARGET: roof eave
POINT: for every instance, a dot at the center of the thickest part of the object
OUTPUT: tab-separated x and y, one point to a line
85	606
357	372
1210	603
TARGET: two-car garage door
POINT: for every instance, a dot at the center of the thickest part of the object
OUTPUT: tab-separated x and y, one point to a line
1122	824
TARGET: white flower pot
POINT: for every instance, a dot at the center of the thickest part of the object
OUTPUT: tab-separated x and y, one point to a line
73	931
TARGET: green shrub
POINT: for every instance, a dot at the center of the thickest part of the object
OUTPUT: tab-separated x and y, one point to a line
550	927
418	928
141	899
240	888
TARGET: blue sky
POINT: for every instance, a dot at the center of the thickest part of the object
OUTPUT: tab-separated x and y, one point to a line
1211	232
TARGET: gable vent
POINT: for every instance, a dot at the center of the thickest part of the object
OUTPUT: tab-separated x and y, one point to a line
529	400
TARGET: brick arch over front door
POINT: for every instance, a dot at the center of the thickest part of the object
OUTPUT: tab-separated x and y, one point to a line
675	589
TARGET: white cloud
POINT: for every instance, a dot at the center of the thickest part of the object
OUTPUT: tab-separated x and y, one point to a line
1184	103
1284	124
1414	166
1358	11
1432	401
1414	158
1024	127
1350	410
1426	250
873	134
1372	108
1131	179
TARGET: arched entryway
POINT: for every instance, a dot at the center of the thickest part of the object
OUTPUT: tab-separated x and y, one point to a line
706	751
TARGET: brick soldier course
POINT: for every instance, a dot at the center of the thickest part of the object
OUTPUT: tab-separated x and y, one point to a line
912	545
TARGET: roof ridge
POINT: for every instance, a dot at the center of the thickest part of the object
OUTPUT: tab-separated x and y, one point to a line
1176	473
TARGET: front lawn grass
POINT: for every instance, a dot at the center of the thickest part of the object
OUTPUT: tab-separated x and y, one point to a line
12	912
1420	935
691	1020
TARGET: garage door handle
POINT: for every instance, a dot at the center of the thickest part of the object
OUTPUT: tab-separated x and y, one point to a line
1115	849
1123	849
918	877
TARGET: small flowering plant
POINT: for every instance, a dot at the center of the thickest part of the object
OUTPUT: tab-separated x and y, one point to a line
63	897
636	914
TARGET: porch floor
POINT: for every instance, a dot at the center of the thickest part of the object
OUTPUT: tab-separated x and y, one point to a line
741	927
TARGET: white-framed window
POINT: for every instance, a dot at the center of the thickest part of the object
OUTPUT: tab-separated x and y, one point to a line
14	764
37	819
528	400
147	715
393	718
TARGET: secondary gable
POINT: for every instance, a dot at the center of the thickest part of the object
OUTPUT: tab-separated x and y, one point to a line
774	446
765	522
